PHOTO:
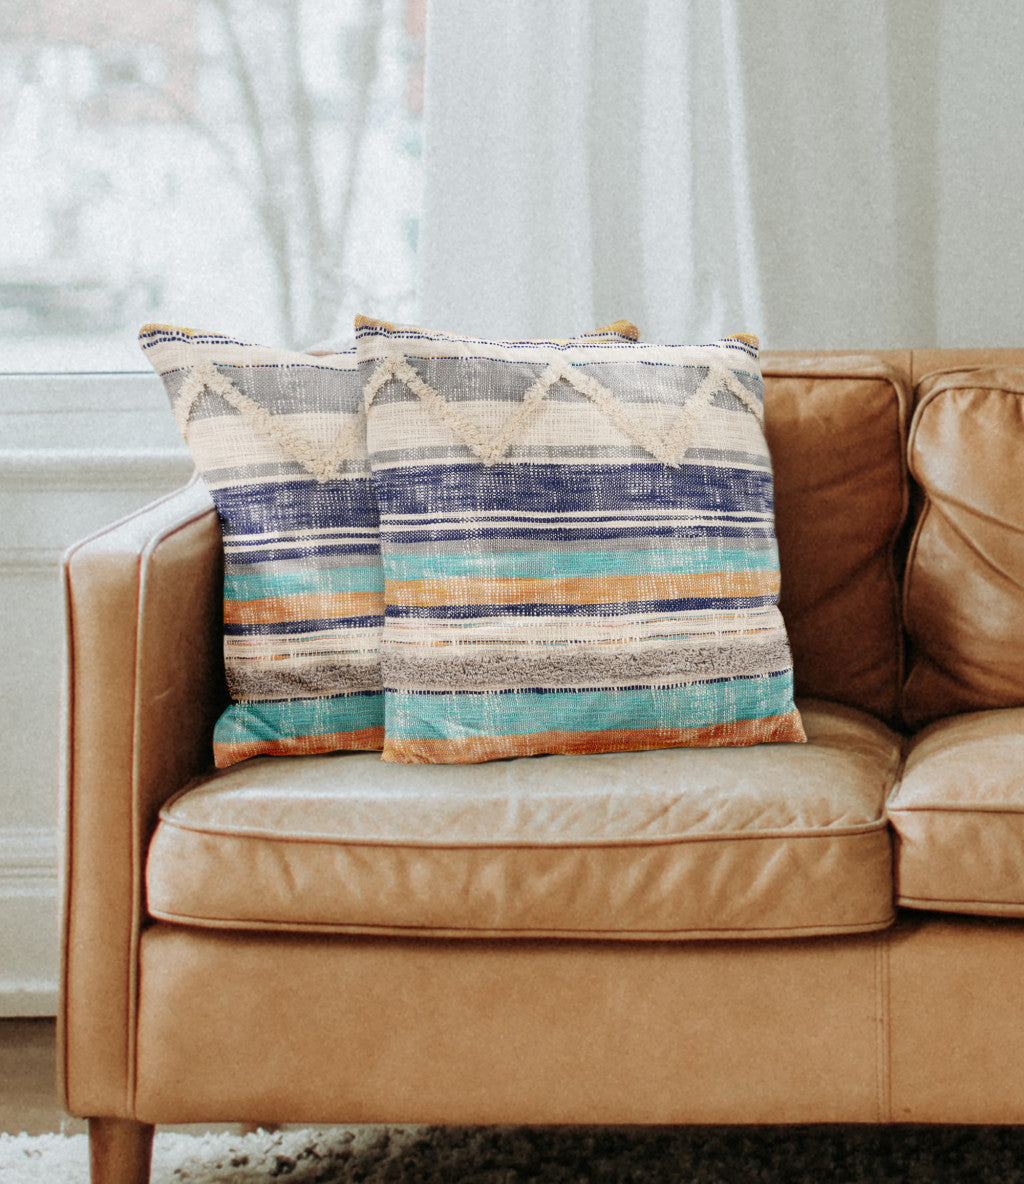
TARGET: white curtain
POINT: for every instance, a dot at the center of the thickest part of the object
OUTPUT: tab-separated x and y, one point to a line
835	174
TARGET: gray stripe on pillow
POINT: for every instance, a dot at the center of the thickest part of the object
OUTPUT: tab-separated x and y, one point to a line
283	680
468	668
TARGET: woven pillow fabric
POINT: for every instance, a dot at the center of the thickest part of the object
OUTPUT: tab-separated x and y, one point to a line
578	546
279	439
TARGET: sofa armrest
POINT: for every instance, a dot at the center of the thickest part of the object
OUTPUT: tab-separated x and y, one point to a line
144	686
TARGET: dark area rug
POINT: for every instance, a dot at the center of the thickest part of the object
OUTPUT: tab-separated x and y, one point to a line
797	1155
552	1155
694	1155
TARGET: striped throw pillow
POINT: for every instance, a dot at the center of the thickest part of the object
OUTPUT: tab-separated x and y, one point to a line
279	439
578	545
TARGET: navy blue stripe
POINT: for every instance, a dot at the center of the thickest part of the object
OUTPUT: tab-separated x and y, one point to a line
573	535
564	489
465	612
271	555
296	505
390	521
338	700
241	630
601	690
148	340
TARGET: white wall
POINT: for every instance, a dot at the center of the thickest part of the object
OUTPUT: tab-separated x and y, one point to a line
76	452
979	91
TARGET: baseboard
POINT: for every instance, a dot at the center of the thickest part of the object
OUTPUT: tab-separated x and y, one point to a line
28	1000
29	966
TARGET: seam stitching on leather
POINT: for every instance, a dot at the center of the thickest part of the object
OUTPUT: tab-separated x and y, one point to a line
112	527
132	986
1010	811
870	828
144	559
908	581
942	388
904	404
369	928
68	815
1000	908
885	1031
879	1108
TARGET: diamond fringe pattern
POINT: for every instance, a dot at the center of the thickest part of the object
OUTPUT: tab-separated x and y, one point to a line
206	377
669	449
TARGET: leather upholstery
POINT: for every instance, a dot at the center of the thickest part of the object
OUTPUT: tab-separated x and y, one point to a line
920	1022
785	839
836	429
274	1027
959	816
964	585
954	1036
926	362
144	686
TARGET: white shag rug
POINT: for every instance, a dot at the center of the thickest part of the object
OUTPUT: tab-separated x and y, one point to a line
298	1156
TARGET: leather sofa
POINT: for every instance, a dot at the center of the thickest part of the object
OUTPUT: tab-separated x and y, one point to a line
809	933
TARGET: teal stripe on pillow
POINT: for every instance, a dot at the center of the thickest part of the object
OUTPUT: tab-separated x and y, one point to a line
551	565
257	723
515	621
521	713
279	439
262	584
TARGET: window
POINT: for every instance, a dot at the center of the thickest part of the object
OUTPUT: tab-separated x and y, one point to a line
244	165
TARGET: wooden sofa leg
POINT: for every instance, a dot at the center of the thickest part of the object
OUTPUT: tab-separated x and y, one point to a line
120	1150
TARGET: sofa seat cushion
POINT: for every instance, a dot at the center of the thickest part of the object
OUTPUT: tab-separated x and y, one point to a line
959	815
770	841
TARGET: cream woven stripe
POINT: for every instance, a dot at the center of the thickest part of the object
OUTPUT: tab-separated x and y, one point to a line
206	377
669	449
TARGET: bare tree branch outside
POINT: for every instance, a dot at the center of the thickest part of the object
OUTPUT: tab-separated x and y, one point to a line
250	166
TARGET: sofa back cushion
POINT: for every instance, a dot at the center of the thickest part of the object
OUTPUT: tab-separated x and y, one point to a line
836	430
964	585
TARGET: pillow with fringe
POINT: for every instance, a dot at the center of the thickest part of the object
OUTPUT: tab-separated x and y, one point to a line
578	546
279	439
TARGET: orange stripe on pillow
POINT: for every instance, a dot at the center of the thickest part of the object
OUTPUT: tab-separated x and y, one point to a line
303	607
364	739
581	589
767	730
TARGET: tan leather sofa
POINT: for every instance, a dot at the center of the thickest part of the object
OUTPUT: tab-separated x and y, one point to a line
787	934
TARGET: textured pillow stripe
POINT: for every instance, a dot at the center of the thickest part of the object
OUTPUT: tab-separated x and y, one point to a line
594	572
278	438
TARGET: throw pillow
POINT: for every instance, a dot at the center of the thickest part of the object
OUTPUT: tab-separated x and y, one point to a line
279	439
578	546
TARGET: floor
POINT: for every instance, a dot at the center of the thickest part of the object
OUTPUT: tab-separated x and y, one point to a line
28	1083
28	1080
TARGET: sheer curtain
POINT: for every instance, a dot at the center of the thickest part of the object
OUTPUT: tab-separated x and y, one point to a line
835	175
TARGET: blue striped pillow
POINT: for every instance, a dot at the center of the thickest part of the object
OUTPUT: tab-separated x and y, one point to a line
279	439
578	545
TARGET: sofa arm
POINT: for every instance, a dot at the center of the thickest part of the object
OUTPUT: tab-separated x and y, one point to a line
144	686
